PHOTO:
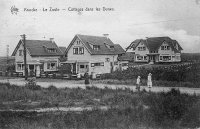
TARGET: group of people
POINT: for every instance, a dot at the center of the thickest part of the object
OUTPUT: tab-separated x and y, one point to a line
149	82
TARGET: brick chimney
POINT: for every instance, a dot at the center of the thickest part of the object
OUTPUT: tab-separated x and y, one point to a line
51	39
106	35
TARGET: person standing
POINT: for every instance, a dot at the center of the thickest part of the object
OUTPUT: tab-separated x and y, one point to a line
138	83
149	81
86	75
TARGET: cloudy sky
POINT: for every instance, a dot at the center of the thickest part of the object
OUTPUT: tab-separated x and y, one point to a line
130	19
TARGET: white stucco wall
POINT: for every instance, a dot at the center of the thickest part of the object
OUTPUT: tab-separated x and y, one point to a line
92	59
31	60
141	53
169	52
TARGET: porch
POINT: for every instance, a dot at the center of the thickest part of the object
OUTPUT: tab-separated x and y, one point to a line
78	68
153	58
35	68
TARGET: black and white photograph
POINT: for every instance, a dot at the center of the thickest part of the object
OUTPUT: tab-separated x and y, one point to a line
100	64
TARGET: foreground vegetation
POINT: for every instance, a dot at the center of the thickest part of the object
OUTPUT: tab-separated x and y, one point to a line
174	75
125	108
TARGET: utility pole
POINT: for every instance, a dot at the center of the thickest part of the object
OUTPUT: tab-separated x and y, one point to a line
25	65
7	59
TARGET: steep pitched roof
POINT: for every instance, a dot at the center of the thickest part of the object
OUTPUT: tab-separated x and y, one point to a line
128	56
63	49
103	42
154	43
39	48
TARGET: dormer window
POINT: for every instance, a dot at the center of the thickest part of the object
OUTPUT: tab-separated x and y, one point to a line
165	47
96	47
141	48
112	47
51	50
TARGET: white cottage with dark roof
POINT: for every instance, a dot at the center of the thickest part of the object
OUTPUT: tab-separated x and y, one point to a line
155	49
93	54
42	56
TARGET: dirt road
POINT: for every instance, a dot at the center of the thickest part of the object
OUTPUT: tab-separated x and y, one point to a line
80	83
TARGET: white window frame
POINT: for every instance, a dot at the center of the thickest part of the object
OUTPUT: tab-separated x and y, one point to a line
97	64
50	67
20	67
78	50
21	52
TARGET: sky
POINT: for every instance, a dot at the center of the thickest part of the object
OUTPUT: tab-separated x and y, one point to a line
126	21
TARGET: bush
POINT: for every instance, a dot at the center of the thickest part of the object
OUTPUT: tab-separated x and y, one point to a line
192	117
31	84
172	73
166	108
52	88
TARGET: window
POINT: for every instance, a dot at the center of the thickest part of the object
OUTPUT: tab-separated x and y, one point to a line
96	47
168	48
78	50
124	64
78	42
81	50
75	50
165	47
112	47
97	64
82	66
107	59
20	66
21	52
161	58
141	48
51	65
51	50
145	57
139	57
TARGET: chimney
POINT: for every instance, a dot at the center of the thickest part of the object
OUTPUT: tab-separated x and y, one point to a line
106	35
51	39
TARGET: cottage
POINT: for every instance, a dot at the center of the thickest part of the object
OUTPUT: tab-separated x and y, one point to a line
155	49
93	54
42	56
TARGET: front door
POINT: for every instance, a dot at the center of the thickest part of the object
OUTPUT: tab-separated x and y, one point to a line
31	68
151	58
74	68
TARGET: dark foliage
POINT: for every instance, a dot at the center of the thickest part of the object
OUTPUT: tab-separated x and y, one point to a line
189	72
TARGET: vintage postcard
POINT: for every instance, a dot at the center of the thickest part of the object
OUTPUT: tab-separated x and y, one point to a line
100	64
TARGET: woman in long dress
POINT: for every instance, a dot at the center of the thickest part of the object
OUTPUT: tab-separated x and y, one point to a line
149	81
138	83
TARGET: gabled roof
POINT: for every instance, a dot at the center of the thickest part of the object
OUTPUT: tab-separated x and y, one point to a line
39	48
63	49
154	43
102	41
128	56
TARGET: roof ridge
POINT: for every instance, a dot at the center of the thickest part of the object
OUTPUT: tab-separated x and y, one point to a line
92	36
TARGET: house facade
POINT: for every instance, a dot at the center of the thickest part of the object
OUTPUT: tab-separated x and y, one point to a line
93	54
41	56
155	49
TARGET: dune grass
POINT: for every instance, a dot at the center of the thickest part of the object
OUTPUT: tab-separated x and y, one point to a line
126	109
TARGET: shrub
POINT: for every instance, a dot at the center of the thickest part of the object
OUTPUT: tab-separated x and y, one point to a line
52	88
192	118
31	84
